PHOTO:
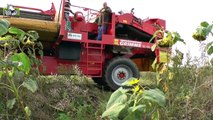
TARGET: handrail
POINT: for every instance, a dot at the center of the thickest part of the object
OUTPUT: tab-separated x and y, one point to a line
29	8
50	12
88	10
85	8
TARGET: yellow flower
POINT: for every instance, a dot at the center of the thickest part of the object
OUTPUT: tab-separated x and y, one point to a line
141	91
136	89
2	38
134	81
29	42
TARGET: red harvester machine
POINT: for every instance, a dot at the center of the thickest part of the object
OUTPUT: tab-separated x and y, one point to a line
123	51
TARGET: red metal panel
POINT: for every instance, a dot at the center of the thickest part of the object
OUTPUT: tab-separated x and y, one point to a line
143	25
51	12
91	61
62	26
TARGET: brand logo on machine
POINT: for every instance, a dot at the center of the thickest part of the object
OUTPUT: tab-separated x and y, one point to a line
75	36
129	43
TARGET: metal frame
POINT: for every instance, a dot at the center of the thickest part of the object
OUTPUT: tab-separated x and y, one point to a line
51	12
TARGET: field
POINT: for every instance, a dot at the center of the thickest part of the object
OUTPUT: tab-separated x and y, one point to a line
78	98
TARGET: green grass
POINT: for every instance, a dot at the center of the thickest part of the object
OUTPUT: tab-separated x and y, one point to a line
190	91
63	97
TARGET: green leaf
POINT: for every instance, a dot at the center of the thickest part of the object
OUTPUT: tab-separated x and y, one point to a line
210	50
177	37
11	103
201	31
155	115
5	23
39	45
154	47
137	108
154	64
155	96
63	116
33	34
27	111
118	96
209	28
164	57
31	85
21	37
135	113
7	37
41	53
3	30
114	110
179	54
155	35
1	74
24	59
16	31
204	24
209	44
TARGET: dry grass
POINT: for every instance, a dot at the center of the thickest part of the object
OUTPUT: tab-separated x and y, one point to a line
61	95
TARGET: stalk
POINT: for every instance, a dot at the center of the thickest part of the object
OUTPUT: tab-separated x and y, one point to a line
16	94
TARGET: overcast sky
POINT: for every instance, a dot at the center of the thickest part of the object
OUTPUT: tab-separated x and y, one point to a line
182	16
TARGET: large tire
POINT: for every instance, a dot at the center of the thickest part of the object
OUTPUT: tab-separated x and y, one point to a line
119	70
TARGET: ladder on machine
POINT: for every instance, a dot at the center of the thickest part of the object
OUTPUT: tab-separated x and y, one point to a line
94	57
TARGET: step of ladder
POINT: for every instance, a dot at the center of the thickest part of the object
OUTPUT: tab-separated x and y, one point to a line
94	69
94	54
94	61
94	45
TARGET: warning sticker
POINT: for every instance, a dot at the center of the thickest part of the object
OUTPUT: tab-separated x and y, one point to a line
116	42
75	36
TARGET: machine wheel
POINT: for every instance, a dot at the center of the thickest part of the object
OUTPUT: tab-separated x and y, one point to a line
99	81
118	71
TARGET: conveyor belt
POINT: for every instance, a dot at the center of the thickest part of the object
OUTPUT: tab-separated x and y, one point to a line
32	15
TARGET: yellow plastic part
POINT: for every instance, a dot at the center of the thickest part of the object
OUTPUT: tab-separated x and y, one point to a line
47	30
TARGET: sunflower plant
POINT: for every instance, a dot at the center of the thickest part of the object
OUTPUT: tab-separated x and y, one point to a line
134	102
201	33
18	51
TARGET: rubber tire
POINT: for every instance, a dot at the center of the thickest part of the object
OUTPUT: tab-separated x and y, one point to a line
99	81
115	62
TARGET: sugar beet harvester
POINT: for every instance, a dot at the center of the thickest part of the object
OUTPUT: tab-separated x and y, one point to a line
123	51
